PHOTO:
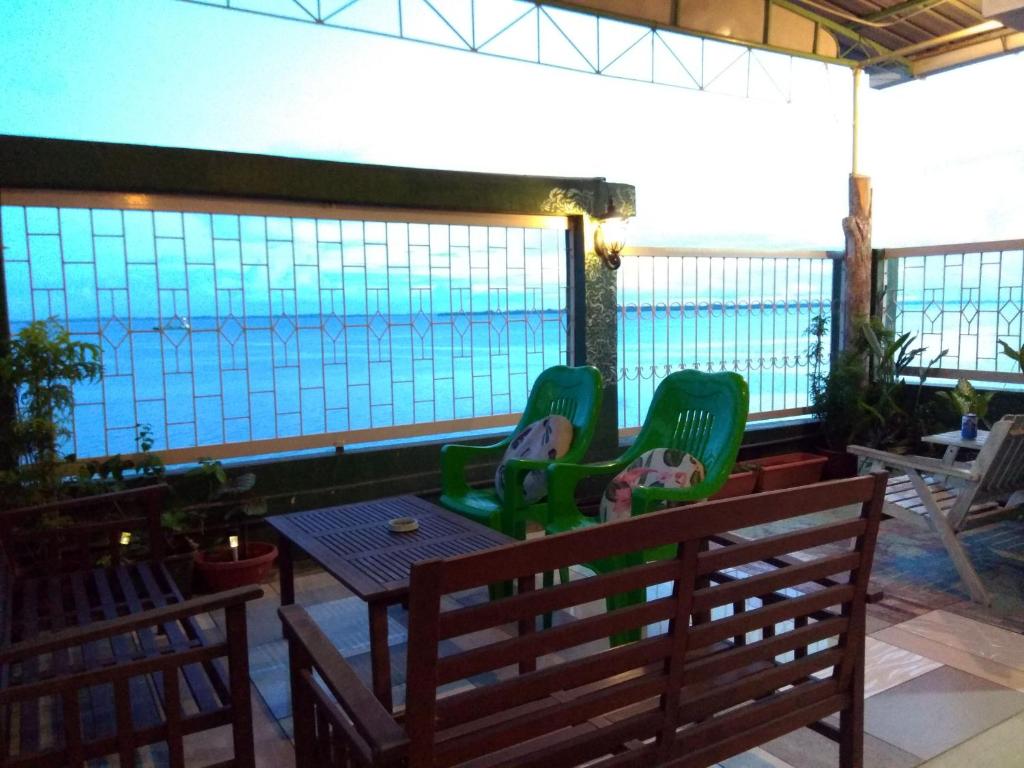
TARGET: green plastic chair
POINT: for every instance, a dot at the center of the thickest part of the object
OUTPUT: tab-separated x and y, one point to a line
703	414
560	390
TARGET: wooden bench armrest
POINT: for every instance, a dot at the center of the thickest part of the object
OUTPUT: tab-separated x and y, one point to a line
73	636
917	463
386	738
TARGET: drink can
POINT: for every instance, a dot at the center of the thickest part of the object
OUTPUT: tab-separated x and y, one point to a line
969	427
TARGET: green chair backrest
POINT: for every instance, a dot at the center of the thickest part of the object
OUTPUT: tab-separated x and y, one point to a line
574	393
699	413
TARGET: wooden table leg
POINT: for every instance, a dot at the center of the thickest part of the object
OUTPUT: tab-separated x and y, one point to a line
380	658
286	570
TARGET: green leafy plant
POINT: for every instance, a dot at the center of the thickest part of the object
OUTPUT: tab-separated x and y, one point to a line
1014	354
39	368
112	474
966	399
210	505
892	358
835	394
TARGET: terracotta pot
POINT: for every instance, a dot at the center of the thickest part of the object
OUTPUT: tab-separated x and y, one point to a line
788	470
838	464
220	571
738	484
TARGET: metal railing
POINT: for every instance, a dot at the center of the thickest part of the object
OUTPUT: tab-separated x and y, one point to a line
714	310
960	298
242	327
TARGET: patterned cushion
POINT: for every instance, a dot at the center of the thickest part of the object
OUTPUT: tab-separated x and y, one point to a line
658	468
547	438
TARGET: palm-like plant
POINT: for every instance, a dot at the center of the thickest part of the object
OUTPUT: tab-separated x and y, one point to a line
1014	354
38	370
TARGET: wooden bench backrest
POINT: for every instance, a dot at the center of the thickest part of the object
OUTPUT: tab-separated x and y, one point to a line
539	697
90	526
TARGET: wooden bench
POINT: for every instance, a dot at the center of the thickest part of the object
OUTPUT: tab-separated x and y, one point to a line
98	661
738	650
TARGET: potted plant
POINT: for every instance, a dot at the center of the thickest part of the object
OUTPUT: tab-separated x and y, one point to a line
834	397
886	423
211	516
966	399
39	368
1014	354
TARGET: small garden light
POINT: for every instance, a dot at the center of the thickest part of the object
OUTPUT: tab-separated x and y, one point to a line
126	538
233	543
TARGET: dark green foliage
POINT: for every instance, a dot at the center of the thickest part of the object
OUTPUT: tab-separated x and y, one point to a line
40	366
208	504
1014	354
863	398
892	358
964	399
835	395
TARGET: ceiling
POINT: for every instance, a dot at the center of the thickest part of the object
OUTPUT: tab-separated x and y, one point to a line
892	40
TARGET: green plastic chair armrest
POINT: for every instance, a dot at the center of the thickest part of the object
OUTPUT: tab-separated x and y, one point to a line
513	503
562	482
454	458
646	498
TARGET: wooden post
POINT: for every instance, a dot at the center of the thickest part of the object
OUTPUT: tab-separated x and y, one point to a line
857	227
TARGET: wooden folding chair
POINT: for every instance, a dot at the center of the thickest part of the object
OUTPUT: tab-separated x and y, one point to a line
953	498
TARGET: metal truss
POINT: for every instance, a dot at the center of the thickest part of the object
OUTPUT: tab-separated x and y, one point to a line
526	31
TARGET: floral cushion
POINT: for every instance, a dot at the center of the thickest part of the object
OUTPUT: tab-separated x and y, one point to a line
658	468
547	438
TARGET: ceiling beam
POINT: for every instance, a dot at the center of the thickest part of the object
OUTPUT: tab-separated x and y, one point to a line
935	42
899	8
839	29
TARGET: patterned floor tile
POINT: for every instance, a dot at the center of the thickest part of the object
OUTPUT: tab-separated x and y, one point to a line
887	666
998	747
953	657
756	758
938	710
974	637
806	749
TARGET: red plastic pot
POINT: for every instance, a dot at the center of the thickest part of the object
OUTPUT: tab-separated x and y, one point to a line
788	470
221	571
738	484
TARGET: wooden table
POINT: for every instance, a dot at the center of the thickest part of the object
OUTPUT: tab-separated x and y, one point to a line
354	544
954	442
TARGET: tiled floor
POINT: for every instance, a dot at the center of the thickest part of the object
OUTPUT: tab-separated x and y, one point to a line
943	691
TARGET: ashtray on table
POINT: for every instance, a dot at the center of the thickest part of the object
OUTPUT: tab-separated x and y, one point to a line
403	524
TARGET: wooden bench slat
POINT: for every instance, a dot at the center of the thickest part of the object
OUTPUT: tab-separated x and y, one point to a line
485	700
553	715
29	668
195	676
144	705
462	621
782	578
785	610
503	653
753	550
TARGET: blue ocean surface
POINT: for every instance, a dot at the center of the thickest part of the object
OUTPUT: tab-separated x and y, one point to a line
204	381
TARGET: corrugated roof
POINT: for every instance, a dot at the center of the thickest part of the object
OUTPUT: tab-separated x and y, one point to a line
894	40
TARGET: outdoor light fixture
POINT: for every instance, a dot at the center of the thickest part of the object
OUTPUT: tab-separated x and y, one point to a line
233	543
610	236
126	538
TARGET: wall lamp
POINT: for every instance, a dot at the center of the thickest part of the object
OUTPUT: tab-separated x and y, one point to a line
610	236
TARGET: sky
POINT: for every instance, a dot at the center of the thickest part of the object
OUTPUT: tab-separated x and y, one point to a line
946	154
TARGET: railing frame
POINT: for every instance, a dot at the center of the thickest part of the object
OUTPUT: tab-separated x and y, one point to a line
833	295
887	279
